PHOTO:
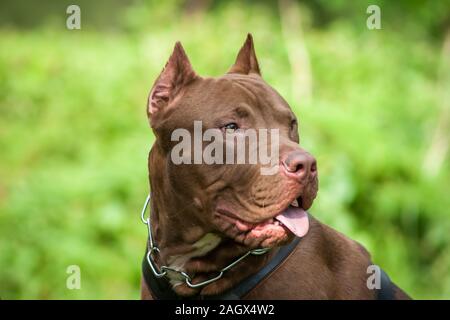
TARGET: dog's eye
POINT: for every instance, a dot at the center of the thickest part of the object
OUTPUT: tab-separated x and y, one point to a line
294	131
293	124
231	127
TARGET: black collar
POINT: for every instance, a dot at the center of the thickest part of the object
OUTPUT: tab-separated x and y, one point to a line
161	289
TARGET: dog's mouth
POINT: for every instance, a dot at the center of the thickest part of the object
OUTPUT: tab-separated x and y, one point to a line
293	219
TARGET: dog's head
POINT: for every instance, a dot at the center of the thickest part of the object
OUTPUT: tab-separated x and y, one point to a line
197	121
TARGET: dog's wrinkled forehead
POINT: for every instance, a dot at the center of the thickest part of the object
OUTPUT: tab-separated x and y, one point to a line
232	90
262	94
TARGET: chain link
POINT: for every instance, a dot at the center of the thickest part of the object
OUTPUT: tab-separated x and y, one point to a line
160	272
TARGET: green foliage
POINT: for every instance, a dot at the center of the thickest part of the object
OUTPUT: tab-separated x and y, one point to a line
74	136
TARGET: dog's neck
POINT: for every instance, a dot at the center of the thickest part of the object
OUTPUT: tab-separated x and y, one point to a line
187	247
188	244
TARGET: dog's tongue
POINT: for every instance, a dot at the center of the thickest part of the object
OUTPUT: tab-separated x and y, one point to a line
295	219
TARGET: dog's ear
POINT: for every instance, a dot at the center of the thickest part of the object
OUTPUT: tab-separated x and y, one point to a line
176	74
246	61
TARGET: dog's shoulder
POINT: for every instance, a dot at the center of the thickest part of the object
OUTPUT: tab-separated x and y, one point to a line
344	262
334	246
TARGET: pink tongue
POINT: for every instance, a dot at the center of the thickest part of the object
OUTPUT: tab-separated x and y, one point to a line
295	219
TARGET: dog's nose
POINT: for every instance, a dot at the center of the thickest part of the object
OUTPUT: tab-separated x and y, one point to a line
300	165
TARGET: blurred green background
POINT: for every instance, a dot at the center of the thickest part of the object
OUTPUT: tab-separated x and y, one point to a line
374	108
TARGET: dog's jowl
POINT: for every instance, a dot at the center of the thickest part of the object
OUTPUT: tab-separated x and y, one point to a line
207	213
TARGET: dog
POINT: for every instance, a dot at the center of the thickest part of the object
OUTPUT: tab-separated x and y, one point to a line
204	217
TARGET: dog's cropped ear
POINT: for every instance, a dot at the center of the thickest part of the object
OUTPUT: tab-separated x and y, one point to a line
246	61
176	74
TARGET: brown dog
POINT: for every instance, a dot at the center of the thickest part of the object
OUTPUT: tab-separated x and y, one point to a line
204	216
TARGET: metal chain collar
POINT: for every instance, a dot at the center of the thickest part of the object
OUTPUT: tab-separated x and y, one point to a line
160	272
